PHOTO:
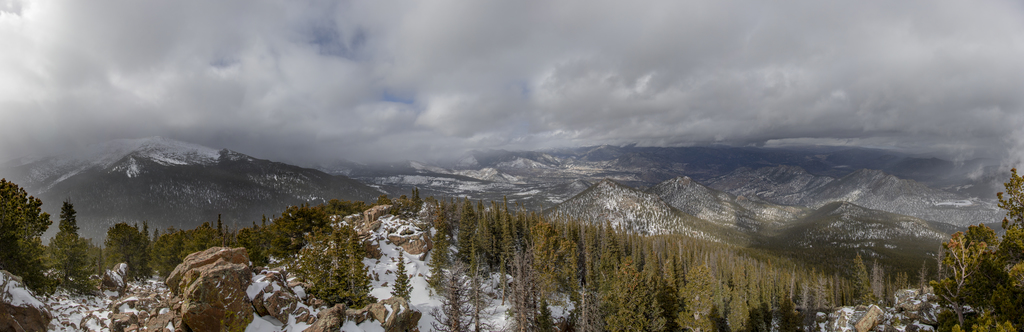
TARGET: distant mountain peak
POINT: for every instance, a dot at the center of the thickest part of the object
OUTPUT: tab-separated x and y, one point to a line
161	150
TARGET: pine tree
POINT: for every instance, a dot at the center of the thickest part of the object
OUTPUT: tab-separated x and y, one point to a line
70	254
22	222
127	244
332	262
698	297
402	287
467	232
440	256
863	281
544	321
168	250
790	319
633	299
738	312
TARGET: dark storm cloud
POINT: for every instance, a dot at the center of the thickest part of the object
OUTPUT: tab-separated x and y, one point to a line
370	80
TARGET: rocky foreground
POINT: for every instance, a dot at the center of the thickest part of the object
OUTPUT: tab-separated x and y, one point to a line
220	290
914	311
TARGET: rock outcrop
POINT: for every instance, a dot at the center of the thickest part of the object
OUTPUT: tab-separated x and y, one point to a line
394	314
329	320
371	214
19	308
871	318
114	282
402	318
271	296
912	311
212	284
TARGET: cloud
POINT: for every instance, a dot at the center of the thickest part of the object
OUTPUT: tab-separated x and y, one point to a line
308	81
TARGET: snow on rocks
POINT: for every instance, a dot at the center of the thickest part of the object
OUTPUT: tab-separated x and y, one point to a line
20	310
113	283
912	311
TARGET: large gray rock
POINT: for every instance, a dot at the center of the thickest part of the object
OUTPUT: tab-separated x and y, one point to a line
870	319
19	309
401	318
271	296
203	258
114	280
212	284
329	320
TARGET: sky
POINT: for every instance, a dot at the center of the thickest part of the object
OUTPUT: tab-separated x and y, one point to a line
375	80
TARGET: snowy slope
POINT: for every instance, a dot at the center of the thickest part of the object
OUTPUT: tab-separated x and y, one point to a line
872	189
723	208
637	211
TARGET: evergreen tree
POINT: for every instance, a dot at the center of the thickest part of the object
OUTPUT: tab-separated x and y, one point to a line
168	251
70	254
22	222
738	312
698	295
288	232
790	319
402	287
633	302
467	232
256	241
863	281
440	254
544	321
332	263
127	244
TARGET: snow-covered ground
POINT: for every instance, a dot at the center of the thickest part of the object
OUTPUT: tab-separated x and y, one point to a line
93	312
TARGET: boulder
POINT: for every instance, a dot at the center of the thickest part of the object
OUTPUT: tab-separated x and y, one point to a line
121	322
926	313
203	258
19	308
164	321
402	318
114	280
213	284
413	244
371	214
328	320
363	314
871	318
271	296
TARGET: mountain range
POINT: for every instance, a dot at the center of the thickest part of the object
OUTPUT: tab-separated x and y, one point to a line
170	183
743	196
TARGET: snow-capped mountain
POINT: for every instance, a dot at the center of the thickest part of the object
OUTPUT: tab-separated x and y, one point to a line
172	183
123	155
636	211
872	189
723	208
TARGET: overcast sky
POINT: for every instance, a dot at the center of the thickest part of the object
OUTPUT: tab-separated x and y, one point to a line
303	81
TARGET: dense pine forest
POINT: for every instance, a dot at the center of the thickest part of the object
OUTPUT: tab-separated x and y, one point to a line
599	277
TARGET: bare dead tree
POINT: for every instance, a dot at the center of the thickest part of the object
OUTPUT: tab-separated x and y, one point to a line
923	275
524	293
878	281
454	313
589	319
479	302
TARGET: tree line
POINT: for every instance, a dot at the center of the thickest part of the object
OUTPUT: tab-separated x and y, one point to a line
612	279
